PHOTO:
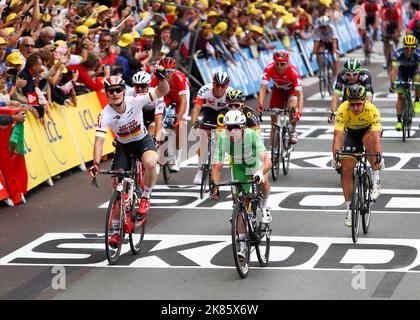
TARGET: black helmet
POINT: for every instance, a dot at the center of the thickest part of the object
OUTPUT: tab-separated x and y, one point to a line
235	95
355	93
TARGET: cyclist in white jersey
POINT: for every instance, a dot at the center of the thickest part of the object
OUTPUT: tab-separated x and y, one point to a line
153	111
124	116
212	99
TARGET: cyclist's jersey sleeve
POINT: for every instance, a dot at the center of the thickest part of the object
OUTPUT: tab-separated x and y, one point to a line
368	118
370	9
205	96
289	80
340	82
399	58
392	17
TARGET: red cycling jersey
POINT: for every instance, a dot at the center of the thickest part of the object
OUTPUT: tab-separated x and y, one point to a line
287	81
370	9
392	16
179	85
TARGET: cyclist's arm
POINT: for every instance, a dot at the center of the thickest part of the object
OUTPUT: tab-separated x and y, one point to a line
300	100
182	105
162	89
261	94
335	98
97	149
195	112
337	142
158	127
266	162
316	45
394	71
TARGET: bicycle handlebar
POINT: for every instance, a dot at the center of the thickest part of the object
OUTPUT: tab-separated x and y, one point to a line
338	154
235	182
406	82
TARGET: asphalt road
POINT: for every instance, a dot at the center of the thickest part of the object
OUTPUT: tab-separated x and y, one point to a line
52	247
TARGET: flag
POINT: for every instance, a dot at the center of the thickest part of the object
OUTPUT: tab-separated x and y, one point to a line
17	141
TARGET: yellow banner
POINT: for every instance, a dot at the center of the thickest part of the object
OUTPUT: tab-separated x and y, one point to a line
56	142
35	162
83	122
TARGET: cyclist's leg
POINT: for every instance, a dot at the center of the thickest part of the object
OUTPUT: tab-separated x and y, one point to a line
401	77
372	142
292	105
146	150
239	173
352	143
265	186
276	101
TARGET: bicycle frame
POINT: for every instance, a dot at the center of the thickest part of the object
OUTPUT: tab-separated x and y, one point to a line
407	106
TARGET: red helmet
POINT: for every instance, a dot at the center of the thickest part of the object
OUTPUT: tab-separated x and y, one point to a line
417	15
114	81
281	56
168	63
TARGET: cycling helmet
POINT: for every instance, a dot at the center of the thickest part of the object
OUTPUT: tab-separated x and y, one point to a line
114	81
417	16
323	21
352	65
235	95
392	3
168	63
234	117
141	77
281	56
355	93
410	41
221	78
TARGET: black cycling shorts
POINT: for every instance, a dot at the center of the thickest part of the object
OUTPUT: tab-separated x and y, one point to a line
122	155
353	141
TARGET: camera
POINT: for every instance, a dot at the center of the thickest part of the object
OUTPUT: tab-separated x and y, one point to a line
12	71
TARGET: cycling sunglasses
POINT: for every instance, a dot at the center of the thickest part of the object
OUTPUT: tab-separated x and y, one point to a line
221	85
351	74
232	127
281	64
234	105
117	90
141	85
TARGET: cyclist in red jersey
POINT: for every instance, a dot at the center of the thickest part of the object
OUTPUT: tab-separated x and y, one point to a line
391	28
179	95
287	86
372	10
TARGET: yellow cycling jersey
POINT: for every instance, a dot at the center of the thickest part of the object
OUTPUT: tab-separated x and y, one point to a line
369	117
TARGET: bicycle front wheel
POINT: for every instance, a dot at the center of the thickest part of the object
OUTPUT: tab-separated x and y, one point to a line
367	202
356	204
262	247
322	82
240	240
275	154
136	237
285	151
329	79
114	226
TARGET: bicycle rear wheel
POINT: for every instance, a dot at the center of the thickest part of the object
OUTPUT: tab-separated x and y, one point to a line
115	208
240	225
408	117
165	167
263	232
285	150
355	208
275	154
136	237
322	82
329	79
405	118
367	202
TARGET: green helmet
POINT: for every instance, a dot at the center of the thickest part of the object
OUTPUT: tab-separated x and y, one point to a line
352	65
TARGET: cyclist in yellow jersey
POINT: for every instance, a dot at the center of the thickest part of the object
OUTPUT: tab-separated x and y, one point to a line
358	124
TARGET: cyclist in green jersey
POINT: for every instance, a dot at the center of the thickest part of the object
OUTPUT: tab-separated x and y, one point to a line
249	157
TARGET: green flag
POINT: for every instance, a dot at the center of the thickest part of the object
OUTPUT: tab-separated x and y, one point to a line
17	141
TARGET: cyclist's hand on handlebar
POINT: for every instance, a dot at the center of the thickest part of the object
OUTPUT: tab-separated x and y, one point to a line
392	87
94	170
260	108
259	176
380	161
335	164
296	117
331	117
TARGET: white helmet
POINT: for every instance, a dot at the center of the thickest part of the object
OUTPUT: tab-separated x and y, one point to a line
323	21
141	77
234	117
392	3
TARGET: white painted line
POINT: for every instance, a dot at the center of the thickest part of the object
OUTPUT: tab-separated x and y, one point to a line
368	256
326	200
404	202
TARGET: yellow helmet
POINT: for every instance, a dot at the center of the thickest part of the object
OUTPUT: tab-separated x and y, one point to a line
410	41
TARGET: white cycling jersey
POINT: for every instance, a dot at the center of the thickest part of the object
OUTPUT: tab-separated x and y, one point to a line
158	105
205	95
127	126
325	37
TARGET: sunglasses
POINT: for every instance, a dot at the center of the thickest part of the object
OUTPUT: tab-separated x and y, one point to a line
281	64
232	127
141	85
234	105
351	74
356	105
221	85
117	90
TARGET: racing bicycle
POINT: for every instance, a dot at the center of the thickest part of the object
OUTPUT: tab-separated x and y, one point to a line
168	124
361	201
121	216
368	44
246	226
206	167
325	73
280	143
407	108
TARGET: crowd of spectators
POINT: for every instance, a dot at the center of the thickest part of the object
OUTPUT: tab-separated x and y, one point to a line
53	50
